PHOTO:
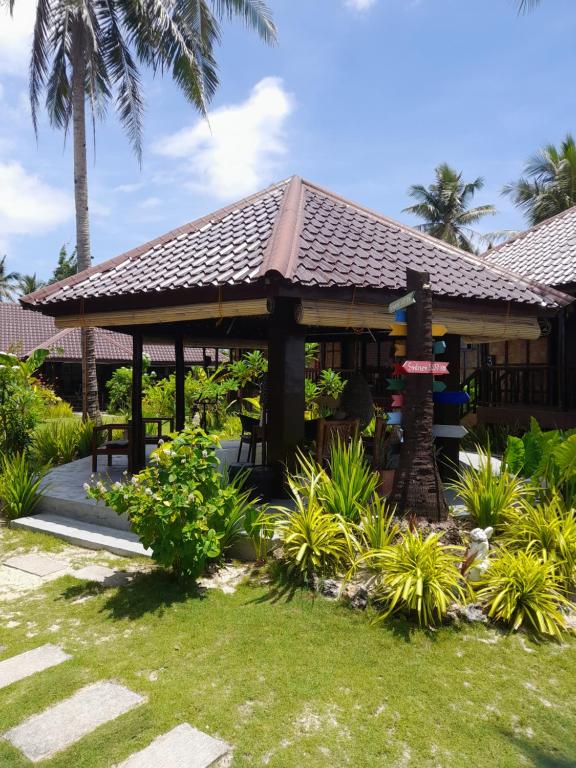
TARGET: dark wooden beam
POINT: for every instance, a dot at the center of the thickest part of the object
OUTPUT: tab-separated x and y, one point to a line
180	409
285	382
138	447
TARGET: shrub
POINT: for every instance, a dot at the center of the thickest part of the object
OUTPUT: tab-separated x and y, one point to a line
377	527
419	576
179	505
56	442
20	403
313	541
521	589
19	486
547	530
488	495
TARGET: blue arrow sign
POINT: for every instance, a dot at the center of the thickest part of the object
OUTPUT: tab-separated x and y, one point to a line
451	398
400	316
395	418
439	347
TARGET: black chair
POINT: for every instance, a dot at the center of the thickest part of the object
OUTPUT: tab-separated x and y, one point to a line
252	434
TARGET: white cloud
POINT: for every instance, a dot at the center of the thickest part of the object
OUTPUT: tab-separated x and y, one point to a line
150	202
16	37
28	205
359	5
238	149
126	189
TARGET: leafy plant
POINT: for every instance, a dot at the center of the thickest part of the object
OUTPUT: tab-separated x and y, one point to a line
260	529
56	442
377	527
313	541
20	402
330	383
349	485
179	505
489	495
20	482
520	589
418	576
239	505
546	530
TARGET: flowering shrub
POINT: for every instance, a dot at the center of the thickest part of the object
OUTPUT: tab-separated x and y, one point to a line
180	506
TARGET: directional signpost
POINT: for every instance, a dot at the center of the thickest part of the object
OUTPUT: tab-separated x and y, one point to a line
401	329
397	401
438	386
435	367
402	303
439	347
449	430
394	418
451	398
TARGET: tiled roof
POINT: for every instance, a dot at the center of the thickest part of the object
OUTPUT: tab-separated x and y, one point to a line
307	235
24	331
546	252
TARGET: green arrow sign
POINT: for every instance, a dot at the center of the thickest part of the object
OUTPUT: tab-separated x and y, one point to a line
438	386
439	347
395	385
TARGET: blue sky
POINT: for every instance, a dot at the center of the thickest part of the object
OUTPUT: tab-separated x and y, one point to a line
362	96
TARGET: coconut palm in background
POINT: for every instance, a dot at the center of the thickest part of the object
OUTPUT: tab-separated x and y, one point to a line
8	281
444	207
29	284
548	185
89	51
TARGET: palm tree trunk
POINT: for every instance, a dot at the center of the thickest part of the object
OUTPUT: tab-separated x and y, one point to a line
90	406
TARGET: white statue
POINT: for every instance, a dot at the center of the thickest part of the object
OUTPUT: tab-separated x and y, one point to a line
477	554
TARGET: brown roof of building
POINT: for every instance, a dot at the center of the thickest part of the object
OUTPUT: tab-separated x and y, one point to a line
307	235
546	252
24	331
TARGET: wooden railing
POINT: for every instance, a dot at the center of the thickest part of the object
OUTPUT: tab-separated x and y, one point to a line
530	385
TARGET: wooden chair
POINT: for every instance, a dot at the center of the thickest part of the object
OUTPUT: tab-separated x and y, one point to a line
252	433
159	421
111	446
330	430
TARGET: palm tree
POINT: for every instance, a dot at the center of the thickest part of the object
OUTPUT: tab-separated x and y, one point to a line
548	185
89	51
29	284
7	281
444	207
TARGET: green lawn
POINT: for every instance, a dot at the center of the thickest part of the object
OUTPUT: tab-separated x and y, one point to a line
298	683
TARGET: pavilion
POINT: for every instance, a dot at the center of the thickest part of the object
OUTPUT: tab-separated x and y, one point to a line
290	264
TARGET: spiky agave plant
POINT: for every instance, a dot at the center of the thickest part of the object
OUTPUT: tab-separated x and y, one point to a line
419	576
522	590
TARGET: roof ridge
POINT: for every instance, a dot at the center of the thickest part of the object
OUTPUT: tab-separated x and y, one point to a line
281	248
140	250
51	340
470	257
530	230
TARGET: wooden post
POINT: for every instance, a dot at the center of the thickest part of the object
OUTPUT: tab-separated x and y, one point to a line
417	485
286	361
180	406
138	447
448	449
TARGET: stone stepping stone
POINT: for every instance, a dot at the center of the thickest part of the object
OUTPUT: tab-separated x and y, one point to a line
103	575
44	735
25	664
38	565
182	747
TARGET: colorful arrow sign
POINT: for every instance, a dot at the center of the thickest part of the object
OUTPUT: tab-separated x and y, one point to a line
449	430
395	385
436	368
439	347
398	370
399	349
438	386
394	418
400	315
400	329
402	302
451	398
397	401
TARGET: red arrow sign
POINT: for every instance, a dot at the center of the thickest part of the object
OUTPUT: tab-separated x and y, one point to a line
397	401
398	370
424	366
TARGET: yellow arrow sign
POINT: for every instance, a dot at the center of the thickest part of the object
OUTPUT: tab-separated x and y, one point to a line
399	349
400	329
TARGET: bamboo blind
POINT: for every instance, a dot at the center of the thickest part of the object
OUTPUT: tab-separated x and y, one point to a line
338	314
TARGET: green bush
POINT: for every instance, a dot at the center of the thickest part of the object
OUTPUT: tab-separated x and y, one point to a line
56	442
19	486
417	576
179	506
314	542
487	494
522	590
20	401
377	527
546	530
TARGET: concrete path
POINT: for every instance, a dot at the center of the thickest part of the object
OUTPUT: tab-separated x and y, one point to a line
182	747
44	735
25	664
37	565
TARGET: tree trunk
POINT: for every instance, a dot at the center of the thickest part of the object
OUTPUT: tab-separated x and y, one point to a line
417	487
90	405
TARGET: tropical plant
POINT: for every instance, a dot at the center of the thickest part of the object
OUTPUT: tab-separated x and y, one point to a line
314	543
8	281
66	267
20	483
520	589
56	442
349	485
330	383
20	402
548	185
258	526
29	284
377	527
239	508
179	505
90	51
249	369
546	530
55	408
488	494
311	351
445	209
119	386
417	576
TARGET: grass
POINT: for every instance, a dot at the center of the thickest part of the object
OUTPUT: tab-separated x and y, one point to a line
303	682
